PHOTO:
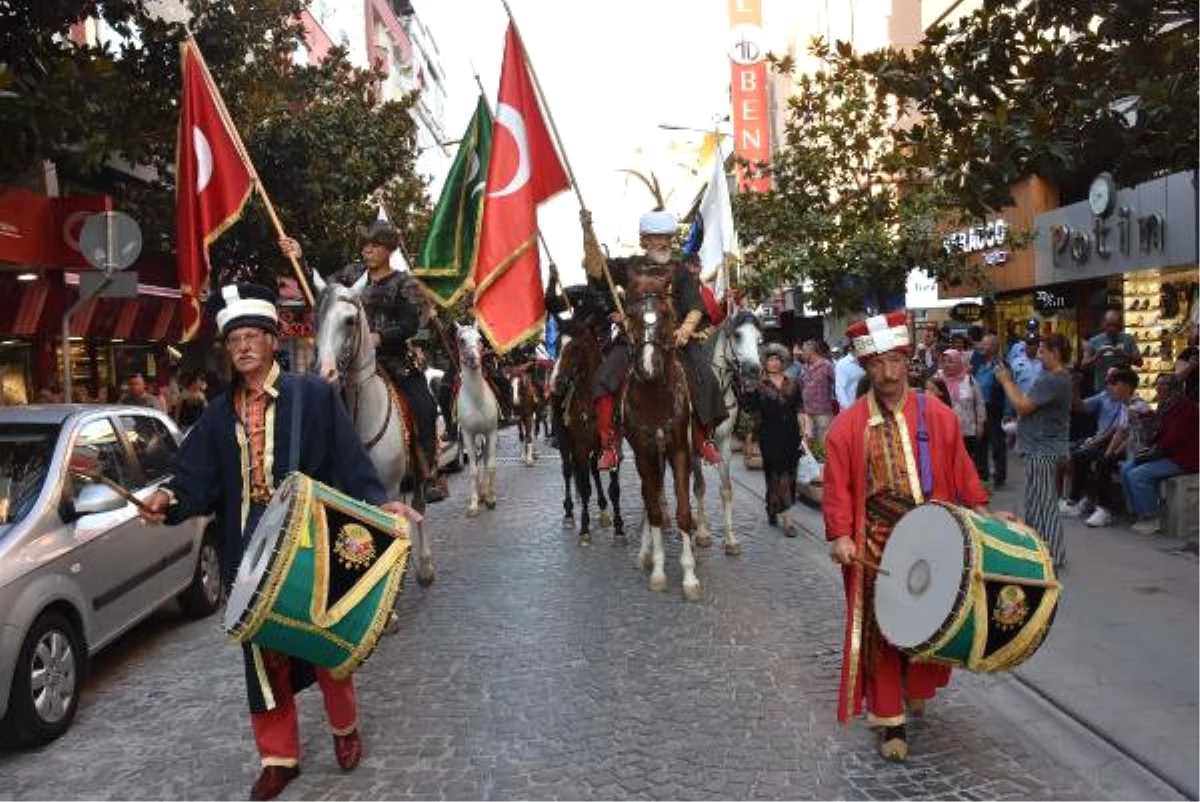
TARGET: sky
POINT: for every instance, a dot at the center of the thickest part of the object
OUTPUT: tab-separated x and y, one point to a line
612	72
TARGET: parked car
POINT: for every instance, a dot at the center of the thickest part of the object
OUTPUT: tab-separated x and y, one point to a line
78	566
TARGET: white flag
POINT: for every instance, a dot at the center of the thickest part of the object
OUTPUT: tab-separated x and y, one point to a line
719	237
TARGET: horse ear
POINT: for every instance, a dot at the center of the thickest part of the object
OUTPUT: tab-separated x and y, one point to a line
318	282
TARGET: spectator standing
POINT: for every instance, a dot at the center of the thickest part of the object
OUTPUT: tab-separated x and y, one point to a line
936	386
846	375
816	388
1175	450
192	401
1112	347
795	368
985	360
776	400
1026	366
966	400
1187	367
927	349
137	395
1044	422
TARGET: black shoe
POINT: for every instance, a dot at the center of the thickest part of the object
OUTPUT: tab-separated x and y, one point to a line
772	519
434	494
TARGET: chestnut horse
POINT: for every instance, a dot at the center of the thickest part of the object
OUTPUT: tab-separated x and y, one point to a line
656	415
579	440
524	404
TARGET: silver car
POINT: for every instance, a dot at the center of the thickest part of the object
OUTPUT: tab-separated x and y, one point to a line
78	566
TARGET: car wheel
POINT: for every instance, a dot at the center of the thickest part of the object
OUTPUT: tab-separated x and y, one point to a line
203	596
47	681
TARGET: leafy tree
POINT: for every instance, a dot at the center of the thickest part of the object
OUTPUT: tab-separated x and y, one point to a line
323	145
1059	89
851	208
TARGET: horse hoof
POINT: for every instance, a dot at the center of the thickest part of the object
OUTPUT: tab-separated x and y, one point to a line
426	578
703	539
658	582
585	539
605	518
393	624
645	562
733	549
691	590
472	512
491	505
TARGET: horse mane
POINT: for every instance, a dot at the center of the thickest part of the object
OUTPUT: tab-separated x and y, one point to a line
743	317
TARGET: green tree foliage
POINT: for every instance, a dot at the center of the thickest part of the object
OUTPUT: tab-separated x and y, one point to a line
323	145
851	208
1060	89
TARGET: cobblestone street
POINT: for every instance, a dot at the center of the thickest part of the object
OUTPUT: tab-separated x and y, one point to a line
536	668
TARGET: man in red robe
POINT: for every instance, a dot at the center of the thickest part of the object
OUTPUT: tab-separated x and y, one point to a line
875	470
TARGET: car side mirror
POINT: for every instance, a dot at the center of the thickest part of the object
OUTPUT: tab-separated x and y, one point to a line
96	498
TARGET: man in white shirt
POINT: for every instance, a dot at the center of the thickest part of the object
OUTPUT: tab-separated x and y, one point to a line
846	375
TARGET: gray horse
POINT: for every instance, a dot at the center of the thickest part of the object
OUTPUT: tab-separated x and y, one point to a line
735	360
478	414
345	357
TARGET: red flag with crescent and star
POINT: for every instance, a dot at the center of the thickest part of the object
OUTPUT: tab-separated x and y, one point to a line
524	170
213	181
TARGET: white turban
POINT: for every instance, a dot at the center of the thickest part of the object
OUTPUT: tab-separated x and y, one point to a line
658	222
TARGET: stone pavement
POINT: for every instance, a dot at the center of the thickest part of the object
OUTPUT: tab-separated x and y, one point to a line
1121	658
539	669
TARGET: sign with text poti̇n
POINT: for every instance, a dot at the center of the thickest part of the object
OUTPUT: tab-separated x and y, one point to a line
747	51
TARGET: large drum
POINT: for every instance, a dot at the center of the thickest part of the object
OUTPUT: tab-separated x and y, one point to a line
319	577
963	589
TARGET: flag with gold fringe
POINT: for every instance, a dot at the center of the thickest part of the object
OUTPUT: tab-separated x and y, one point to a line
447	258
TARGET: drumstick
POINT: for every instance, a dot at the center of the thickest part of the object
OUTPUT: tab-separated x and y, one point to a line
116	488
873	566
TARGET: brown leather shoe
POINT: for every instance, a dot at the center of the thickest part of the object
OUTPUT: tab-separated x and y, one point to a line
348	749
272	781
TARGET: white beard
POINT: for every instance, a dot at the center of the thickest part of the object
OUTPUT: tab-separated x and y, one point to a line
659	256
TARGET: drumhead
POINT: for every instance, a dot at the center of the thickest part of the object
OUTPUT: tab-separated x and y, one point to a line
256	561
924	558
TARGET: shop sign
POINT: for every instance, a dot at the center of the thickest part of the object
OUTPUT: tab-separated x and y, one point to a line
967	312
1152	225
747	53
1047	302
979	238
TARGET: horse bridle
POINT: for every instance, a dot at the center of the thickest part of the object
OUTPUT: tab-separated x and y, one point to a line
665	347
342	362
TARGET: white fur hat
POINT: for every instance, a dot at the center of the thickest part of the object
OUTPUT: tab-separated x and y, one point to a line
657	222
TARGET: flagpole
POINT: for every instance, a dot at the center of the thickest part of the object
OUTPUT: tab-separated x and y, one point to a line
219	101
537	84
541	236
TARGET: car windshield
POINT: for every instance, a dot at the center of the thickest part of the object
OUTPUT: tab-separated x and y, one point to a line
25	452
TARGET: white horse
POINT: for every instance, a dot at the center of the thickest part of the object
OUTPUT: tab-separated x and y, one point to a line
478	415
735	360
346	357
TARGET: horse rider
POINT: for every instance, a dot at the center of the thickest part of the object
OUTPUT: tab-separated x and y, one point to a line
589	314
396	307
656	231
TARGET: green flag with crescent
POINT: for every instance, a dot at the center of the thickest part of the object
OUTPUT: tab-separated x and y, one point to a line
447	258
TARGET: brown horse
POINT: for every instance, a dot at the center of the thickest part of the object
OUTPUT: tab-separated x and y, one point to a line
656	416
579	440
524	405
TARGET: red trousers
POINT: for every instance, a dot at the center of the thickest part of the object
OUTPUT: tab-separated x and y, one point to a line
277	731
893	678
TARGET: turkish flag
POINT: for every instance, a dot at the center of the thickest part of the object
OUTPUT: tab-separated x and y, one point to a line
212	181
524	171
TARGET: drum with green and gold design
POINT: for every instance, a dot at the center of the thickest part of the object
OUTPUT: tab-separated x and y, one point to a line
319	577
964	589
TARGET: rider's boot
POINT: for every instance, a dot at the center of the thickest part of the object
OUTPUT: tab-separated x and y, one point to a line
610	442
704	444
